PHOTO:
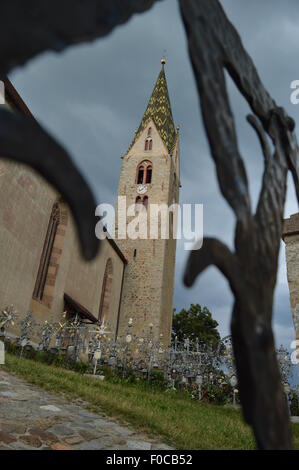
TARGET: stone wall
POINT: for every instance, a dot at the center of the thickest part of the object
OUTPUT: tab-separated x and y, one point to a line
291	239
25	210
26	202
84	280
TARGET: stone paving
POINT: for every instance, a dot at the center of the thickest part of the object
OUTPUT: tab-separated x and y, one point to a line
31	418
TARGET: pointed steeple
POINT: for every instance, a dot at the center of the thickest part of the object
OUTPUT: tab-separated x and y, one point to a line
159	110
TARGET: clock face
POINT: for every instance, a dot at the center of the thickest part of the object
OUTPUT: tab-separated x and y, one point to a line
141	189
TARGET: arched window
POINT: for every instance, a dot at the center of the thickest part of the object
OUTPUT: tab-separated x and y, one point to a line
106	292
149	132
144	173
148	178
140	175
49	261
148	144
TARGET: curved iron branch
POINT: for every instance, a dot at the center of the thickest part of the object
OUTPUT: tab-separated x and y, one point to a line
205	53
213	252
44	25
24	141
257	126
215	45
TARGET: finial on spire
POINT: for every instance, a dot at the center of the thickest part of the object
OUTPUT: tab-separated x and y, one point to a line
163	60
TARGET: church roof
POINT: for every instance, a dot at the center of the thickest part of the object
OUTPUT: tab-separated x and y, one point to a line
159	110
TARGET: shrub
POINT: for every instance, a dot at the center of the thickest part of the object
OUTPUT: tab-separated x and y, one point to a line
48	357
212	393
12	347
294	406
157	379
217	394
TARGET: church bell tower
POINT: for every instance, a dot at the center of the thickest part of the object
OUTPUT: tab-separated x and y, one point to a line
150	175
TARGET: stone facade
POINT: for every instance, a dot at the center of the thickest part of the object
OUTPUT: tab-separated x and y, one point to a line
291	239
26	205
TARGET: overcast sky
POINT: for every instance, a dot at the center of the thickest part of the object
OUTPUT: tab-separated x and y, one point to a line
92	98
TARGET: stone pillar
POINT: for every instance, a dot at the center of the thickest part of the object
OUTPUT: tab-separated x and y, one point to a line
291	239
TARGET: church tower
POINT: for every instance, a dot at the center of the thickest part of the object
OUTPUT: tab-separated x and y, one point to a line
150	175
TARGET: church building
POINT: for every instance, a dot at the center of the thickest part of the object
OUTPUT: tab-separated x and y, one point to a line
130	280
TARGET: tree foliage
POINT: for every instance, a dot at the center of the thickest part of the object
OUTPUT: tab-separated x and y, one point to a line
197	322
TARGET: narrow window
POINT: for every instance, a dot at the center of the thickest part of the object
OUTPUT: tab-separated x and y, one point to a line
171	225
39	288
148	144
140	175
149	132
106	292
148	175
144	173
135	253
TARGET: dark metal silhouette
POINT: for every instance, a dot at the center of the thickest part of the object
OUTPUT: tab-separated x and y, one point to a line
251	270
214	45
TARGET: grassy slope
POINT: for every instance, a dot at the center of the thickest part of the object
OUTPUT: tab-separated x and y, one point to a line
181	422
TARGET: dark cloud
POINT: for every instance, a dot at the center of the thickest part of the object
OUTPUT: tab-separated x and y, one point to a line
92	98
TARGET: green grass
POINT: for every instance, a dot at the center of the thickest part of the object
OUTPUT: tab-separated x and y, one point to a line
178	420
